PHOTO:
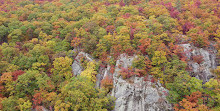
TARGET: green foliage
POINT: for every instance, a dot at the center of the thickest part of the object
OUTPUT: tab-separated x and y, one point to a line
183	85
30	81
37	37
9	104
80	94
3	33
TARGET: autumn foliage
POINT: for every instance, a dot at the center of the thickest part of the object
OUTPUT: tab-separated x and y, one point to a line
39	40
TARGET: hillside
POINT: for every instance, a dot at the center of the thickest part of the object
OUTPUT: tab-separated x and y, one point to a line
110	55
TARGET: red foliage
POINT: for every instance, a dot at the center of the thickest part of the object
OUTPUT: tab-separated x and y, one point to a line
126	15
198	59
197	3
165	93
173	11
132	31
39	108
129	51
144	44
148	64
102	65
121	3
178	50
187	26
15	74
140	9
116	51
37	99
152	80
110	29
107	3
112	69
41	1
140	72
146	78
23	17
18	45
127	73
2	88
96	9
194	97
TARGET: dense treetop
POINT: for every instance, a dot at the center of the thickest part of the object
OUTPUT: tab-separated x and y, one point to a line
37	38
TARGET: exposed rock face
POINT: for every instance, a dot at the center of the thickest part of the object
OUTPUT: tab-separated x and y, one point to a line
138	95
202	70
134	94
76	66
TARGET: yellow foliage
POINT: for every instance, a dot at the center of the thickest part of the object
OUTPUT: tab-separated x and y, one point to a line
60	106
12	67
62	67
39	66
90	72
24	105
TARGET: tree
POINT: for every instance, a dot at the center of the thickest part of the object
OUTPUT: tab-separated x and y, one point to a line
178	5
10	104
191	103
159	58
3	33
62	69
80	94
212	88
144	43
30	81
107	83
183	85
9	52
24	105
90	72
7	81
15	36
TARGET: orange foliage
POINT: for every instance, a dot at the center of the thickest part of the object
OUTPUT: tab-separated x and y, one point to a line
190	103
144	44
75	42
37	100
107	82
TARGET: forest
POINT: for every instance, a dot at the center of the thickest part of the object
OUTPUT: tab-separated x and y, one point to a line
39	40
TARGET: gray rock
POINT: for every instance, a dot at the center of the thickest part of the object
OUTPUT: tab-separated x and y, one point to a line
201	71
139	95
76	66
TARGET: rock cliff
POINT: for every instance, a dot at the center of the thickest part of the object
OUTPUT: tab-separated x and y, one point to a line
131	95
137	95
201	61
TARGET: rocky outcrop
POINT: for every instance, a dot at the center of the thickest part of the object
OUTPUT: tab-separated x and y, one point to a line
76	66
136	94
207	61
